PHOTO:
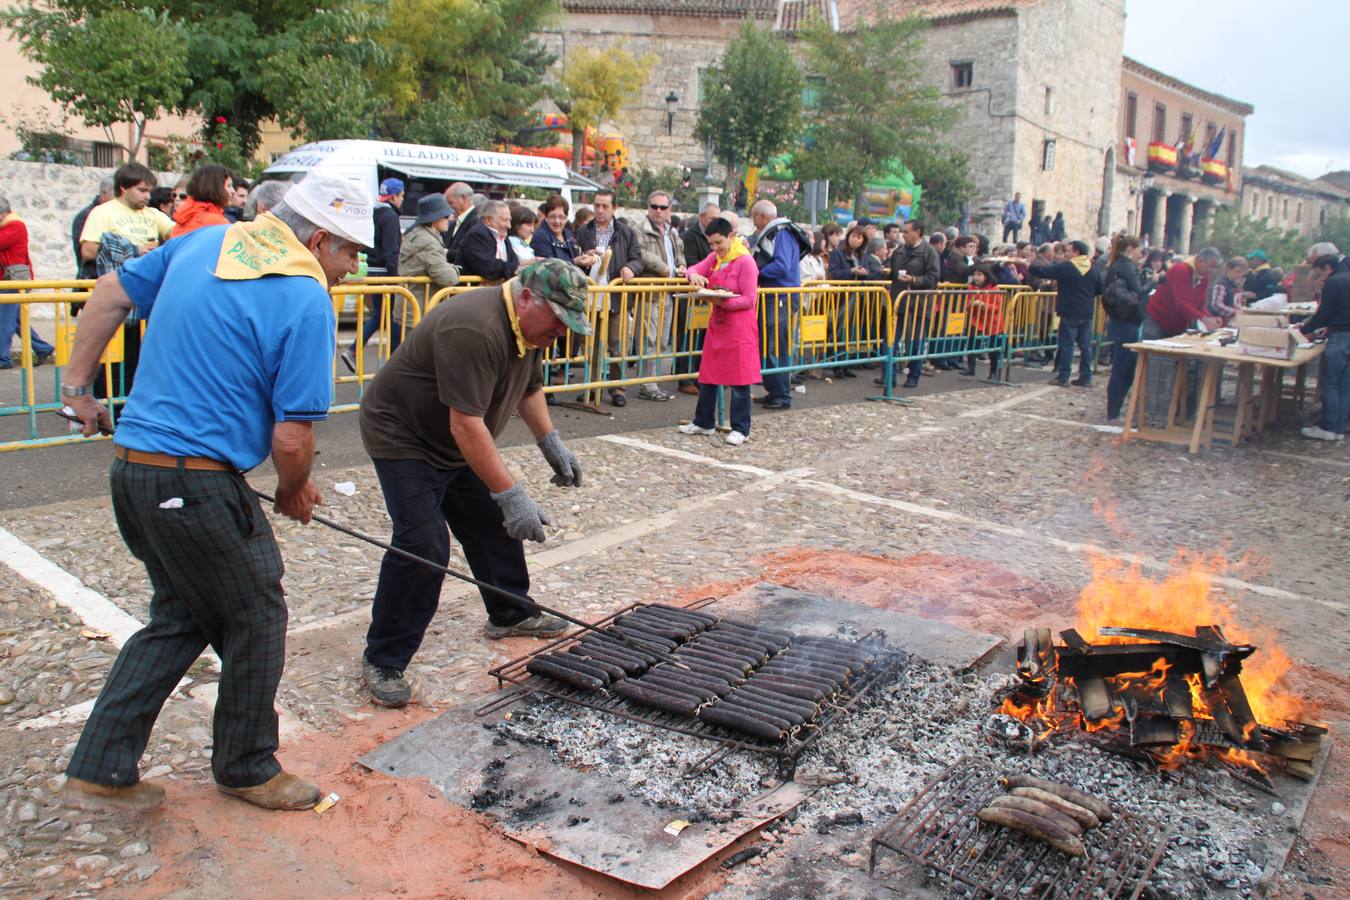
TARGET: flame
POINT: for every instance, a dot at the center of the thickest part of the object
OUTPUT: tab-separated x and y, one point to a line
1184	598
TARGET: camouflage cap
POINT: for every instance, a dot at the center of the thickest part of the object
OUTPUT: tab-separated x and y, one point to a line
563	285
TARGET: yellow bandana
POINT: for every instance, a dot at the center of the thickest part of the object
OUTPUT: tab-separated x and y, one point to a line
735	251
522	346
265	246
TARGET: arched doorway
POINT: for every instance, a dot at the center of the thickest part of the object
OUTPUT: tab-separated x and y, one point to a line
1108	189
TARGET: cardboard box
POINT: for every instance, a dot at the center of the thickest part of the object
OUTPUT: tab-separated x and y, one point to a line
1271	343
1246	318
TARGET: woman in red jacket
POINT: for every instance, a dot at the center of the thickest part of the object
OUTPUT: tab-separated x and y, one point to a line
209	190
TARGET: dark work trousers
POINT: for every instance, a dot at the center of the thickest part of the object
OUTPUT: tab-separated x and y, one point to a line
705	412
216	572
1123	363
422	500
775	321
1071	332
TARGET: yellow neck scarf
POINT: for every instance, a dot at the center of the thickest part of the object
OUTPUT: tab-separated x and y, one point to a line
522	346
265	246
735	250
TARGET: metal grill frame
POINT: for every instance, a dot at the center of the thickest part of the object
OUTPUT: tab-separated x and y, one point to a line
787	751
939	831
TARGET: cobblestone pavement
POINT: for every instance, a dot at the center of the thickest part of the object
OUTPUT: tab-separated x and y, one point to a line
1018	478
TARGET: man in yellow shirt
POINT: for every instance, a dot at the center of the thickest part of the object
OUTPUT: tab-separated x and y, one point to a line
128	215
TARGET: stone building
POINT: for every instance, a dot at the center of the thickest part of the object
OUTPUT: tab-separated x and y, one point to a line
1037	83
1159	195
1288	202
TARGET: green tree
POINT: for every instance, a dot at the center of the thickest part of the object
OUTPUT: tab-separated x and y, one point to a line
944	174
1236	235
461	72
1336	230
596	85
877	104
94	63
301	62
751	109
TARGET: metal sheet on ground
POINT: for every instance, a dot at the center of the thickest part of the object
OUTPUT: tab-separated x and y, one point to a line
814	614
532	798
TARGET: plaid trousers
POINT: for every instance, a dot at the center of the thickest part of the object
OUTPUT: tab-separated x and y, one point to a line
216	571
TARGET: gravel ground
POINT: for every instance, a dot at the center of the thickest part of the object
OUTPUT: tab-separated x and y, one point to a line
653	526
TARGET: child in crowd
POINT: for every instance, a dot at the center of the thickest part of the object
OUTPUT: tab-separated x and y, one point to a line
1226	297
986	315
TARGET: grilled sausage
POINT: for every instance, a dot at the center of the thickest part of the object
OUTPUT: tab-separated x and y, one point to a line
1041	829
1037	808
1099	808
741	723
683	611
549	669
628	666
762	630
805	707
666	629
722	659
754	712
646	638
680	704
577	664
660	615
771	710
753	656
728	674
826	671
788	686
1083	817
827	685
685	676
662	683
615	672
768	645
794	653
615	647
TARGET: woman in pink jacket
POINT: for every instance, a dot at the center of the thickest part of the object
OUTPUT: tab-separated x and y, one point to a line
731	348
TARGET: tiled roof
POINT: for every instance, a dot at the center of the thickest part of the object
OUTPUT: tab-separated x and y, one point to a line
1294	181
794	14
731	9
853	12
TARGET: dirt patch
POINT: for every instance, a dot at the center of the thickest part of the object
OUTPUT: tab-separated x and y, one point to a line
385	836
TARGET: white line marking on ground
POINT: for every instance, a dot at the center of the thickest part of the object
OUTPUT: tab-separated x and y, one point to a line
992	408
98	612
796	477
685	455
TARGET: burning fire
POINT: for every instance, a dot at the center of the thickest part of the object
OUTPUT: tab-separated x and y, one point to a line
1120	595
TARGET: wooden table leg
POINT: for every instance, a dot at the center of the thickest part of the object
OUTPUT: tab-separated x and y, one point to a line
1136	395
1179	389
1242	414
1202	432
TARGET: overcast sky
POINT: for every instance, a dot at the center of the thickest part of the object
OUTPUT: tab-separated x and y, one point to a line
1289	60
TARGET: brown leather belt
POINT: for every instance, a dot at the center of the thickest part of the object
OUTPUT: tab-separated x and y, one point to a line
164	461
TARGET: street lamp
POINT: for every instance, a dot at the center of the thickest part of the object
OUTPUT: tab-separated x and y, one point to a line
672	103
1148	181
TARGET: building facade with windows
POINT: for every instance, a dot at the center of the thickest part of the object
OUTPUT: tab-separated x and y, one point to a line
1036	83
1291	202
1180	157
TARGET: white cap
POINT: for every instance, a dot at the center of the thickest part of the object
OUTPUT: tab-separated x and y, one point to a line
335	204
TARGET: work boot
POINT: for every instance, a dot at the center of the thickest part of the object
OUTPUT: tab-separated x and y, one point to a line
386	685
142	796
282	791
538	625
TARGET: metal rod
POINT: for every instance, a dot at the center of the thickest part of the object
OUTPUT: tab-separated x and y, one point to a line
635	643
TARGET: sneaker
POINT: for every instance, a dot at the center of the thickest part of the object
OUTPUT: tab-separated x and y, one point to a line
282	791
653	393
538	625
691	428
349	359
1317	434
142	796
386	685
735	438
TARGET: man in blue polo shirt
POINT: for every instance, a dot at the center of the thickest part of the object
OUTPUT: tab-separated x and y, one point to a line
237	365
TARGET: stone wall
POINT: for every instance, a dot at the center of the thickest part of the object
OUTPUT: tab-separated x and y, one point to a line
47	197
682	46
1073	50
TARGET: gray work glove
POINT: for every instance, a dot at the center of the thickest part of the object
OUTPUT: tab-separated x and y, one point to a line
566	466
524	520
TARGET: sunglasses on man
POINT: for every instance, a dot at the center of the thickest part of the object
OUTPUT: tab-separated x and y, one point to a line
660	206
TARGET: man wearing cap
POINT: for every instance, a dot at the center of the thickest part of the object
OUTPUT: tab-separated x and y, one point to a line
1260	282
238	365
429	422
381	260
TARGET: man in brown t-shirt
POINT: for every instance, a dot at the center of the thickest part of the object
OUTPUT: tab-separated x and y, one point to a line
430	422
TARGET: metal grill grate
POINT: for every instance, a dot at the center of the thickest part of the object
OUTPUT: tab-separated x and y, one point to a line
886	664
938	830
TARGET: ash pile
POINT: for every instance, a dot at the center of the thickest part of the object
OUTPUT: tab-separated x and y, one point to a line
1227	834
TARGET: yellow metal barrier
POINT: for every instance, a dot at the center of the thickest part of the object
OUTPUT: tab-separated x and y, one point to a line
399	312
1032	324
